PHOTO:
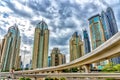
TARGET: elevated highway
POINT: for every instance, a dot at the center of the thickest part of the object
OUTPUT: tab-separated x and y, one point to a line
107	50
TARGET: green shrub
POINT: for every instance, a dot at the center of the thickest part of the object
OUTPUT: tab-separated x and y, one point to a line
110	79
62	78
27	79
22	78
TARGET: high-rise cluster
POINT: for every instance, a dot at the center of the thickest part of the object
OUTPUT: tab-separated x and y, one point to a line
110	27
102	27
10	48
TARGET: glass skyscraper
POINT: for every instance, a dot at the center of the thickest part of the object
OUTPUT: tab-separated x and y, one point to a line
110	27
97	34
40	49
86	42
96	31
10	49
105	24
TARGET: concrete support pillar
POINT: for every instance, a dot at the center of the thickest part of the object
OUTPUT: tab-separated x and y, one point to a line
50	72
56	71
87	68
39	72
35	78
59	71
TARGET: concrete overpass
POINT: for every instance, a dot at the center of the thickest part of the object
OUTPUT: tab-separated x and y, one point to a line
109	49
69	76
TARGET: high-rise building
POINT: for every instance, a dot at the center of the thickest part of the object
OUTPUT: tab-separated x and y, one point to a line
96	31
40	49
86	42
111	21
105	24
97	35
64	58
110	27
10	49
1	51
57	58
76	47
49	61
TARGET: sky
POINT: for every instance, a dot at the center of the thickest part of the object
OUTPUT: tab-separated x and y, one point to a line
63	17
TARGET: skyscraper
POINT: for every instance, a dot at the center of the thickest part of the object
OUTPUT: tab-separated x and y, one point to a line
76	47
110	27
57	58
96	31
40	49
86	42
0	52
105	24
10	49
97	35
111	21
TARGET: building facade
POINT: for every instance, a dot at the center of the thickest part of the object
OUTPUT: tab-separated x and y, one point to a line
49	61
96	31
57	58
86	42
110	27
40	49
97	36
76	47
10	49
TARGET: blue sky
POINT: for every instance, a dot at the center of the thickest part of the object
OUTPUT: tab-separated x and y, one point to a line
63	17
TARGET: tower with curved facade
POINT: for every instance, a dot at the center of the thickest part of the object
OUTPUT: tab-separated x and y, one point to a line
10	49
40	49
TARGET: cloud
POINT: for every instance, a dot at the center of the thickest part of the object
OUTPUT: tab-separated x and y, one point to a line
21	10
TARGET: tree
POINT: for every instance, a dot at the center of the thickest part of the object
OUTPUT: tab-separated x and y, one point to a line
27	79
65	70
62	78
117	67
75	69
22	78
109	68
